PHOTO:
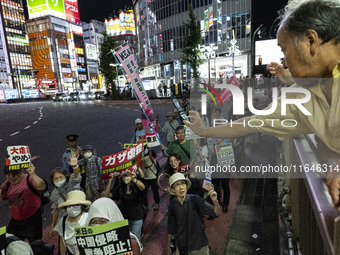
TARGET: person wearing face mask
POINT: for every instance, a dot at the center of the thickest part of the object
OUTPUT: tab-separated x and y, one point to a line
76	217
130	200
92	166
104	211
64	183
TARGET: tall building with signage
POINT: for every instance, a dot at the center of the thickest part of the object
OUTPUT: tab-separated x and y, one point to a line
93	37
15	58
122	29
160	32
58	50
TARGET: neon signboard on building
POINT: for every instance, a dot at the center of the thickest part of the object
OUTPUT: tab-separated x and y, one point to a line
72	11
124	25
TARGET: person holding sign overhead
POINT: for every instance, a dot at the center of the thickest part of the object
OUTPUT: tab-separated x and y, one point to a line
24	205
104	211
130	200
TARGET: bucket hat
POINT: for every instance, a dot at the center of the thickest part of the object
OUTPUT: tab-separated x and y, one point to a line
75	197
178	177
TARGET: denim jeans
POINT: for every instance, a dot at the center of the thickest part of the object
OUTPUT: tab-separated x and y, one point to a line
135	227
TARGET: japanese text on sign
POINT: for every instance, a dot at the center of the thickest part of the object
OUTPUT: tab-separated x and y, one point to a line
121	163
108	239
129	64
18	157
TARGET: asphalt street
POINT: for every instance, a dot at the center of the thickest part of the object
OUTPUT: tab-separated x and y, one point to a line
43	127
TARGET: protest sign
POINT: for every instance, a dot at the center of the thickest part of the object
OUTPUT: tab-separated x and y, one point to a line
207	184
226	93
3	244
225	154
129	145
127	60
123	162
185	169
18	157
111	238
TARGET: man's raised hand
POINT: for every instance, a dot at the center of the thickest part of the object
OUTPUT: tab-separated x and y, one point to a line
197	124
73	159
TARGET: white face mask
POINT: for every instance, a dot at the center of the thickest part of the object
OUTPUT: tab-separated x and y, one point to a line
74	211
127	179
88	154
60	183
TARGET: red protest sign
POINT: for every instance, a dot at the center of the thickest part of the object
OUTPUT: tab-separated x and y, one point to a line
185	169
123	162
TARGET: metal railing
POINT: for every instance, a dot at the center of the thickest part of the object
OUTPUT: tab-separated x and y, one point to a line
315	222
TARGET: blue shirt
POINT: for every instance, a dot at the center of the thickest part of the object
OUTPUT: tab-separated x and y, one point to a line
66	158
138	136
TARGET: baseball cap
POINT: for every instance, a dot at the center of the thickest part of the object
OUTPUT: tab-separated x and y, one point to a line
138	120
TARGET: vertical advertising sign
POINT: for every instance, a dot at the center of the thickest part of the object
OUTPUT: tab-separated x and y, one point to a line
129	64
91	51
39	8
208	18
72	11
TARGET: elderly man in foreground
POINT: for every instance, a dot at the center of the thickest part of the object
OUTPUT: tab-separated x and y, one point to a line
310	42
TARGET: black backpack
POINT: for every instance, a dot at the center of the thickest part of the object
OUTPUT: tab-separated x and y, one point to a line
44	196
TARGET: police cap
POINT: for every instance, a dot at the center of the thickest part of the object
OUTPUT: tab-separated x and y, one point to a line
72	138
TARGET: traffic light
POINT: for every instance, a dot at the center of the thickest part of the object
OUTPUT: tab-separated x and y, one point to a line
260	61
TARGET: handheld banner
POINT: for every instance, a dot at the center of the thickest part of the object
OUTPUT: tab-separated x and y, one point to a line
3	244
127	60
207	184
226	93
111	238
126	161
18	157
225	154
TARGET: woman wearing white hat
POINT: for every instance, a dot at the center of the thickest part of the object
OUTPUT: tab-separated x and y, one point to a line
74	205
103	211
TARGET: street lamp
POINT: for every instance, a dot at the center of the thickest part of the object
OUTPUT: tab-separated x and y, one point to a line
116	65
253	49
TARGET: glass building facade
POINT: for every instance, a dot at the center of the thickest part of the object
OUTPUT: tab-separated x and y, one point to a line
160	32
16	62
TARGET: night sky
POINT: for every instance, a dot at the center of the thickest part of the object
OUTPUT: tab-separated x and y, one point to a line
100	9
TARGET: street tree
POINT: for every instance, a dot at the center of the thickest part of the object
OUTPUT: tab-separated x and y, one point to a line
190	52
108	71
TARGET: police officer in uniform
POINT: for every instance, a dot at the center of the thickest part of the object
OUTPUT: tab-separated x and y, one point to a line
73	146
